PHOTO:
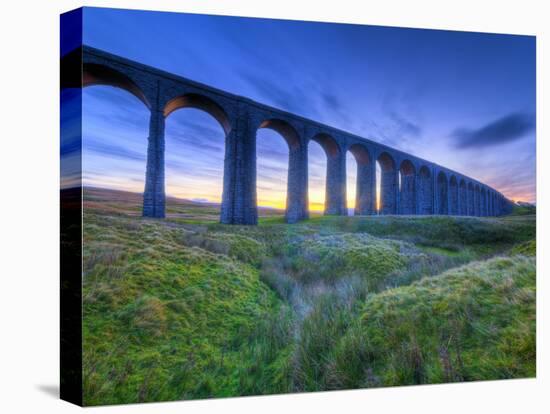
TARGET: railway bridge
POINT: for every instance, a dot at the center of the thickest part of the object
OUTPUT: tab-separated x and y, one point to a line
408	185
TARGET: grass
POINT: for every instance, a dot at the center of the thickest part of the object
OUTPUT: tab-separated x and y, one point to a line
165	319
476	322
188	308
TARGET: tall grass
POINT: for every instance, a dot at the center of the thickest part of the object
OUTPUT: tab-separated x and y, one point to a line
178	309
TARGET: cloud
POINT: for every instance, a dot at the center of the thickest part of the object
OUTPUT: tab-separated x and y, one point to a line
203	127
196	143
506	129
405	126
113	150
274	150
273	169
280	97
333	108
331	101
400	123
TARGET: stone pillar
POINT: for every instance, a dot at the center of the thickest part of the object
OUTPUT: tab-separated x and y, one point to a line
335	196
466	208
467	201
397	192
458	211
448	210
365	195
435	191
442	194
424	198
407	196
153	196
239	176
297	199
418	194
388	191
481	203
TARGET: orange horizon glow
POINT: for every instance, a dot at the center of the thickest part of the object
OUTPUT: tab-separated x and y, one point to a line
203	190
267	202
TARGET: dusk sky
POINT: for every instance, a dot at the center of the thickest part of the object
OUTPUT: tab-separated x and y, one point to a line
462	100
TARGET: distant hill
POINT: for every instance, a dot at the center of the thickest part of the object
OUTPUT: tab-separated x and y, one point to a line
128	202
524	208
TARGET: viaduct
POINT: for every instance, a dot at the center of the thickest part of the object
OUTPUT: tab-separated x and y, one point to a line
408	185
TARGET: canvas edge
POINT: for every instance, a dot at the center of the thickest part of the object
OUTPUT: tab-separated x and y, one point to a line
71	34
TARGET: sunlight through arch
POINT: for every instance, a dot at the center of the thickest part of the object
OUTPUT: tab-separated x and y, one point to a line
271	169
115	127
194	156
317	173
351	182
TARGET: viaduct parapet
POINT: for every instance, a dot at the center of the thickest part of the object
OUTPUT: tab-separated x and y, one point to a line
408	185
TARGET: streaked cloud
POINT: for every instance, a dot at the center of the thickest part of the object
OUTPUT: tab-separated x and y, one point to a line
502	130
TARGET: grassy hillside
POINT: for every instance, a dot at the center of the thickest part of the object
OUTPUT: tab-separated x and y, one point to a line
187	308
476	322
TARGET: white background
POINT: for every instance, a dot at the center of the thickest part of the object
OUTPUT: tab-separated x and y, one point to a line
29	206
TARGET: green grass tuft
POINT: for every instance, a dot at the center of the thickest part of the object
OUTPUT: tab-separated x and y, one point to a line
476	322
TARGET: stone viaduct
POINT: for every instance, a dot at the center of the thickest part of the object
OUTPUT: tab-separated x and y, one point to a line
408	185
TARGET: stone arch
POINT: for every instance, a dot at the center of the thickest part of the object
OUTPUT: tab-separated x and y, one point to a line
477	201
296	186
233	184
328	143
195	139
202	102
407	187
463	198
365	192
442	194
97	74
388	184
453	196
283	128
425	191
361	154
335	181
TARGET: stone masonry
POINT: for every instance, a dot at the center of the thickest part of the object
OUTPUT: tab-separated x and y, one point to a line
409	185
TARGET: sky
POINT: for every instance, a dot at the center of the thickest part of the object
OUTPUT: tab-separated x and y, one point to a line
463	100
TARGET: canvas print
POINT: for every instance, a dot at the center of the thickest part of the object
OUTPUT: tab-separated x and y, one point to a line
253	206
